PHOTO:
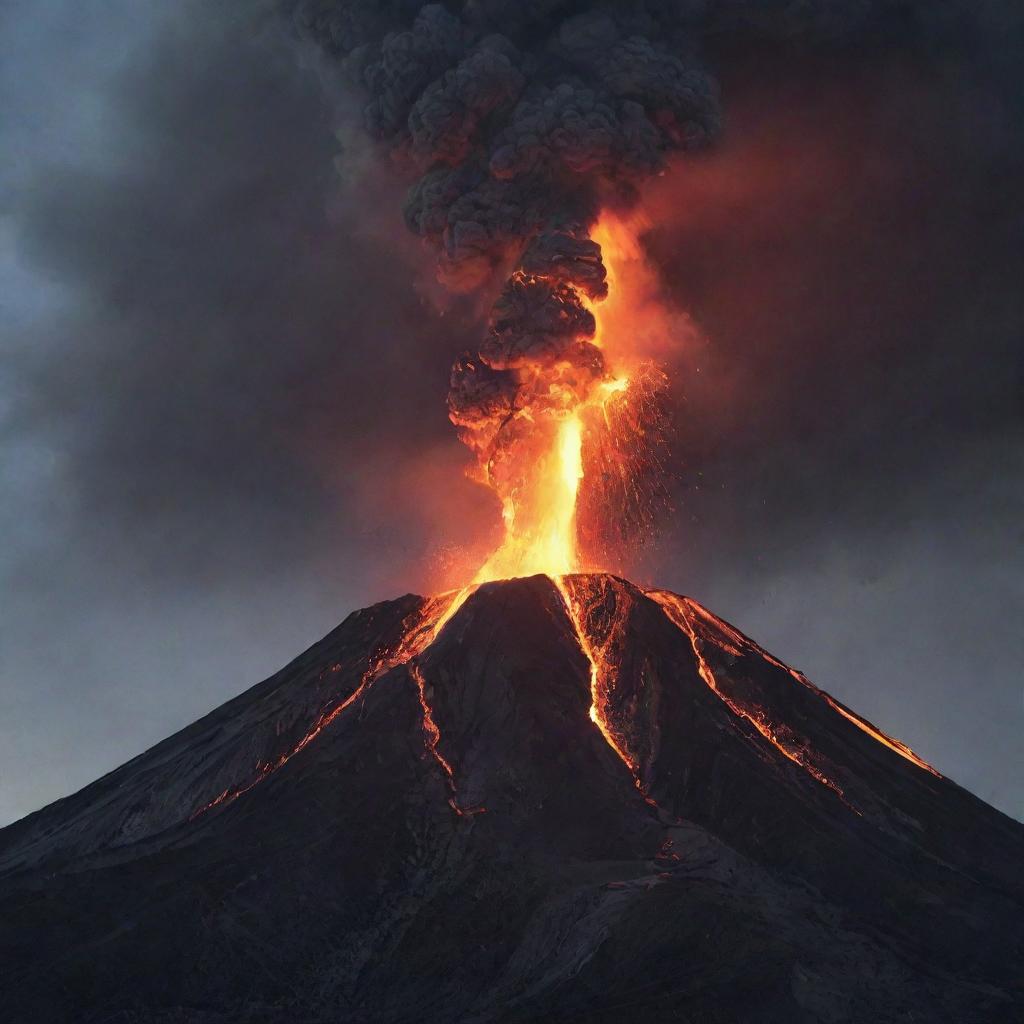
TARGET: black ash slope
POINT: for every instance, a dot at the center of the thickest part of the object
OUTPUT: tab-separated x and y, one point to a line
461	843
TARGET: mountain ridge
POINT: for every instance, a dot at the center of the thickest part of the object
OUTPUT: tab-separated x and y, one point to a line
542	809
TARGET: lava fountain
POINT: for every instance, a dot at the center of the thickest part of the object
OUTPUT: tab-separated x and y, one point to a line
555	390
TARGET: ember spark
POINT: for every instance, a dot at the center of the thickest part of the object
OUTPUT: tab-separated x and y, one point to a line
552	391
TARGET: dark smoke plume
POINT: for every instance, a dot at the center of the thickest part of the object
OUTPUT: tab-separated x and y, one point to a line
523	121
519	122
523	117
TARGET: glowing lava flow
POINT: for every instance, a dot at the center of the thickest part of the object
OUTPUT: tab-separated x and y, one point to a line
540	533
677	610
433	739
741	645
592	408
598	669
862	723
416	638
865	726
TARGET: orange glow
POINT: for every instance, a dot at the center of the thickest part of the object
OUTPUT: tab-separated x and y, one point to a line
420	631
737	644
600	657
678	609
599	671
622	255
540	527
634	324
865	726
573	424
862	723
432	734
454	604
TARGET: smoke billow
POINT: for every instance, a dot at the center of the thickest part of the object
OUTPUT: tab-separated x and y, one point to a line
523	122
519	124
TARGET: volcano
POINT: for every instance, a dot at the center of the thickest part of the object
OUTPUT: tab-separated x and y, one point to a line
559	800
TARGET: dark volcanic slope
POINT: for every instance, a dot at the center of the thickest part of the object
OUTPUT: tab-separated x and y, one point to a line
402	827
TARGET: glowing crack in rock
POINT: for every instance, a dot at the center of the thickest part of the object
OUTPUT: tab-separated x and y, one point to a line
738	644
678	610
601	668
598	668
417	635
432	736
865	726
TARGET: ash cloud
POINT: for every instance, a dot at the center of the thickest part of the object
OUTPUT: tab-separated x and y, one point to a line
520	122
524	122
517	116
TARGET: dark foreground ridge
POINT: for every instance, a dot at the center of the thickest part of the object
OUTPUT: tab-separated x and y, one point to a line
569	802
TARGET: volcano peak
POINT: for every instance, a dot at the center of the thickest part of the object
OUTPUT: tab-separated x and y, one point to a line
541	799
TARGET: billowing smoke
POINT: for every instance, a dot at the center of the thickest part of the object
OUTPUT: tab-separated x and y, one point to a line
520	122
523	122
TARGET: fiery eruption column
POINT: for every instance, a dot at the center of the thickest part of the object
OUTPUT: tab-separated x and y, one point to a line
528	128
552	390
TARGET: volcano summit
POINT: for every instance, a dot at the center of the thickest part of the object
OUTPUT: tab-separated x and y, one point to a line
565	800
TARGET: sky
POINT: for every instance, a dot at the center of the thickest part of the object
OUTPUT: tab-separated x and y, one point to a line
224	361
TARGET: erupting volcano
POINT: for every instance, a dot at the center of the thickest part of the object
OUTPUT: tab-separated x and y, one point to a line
549	794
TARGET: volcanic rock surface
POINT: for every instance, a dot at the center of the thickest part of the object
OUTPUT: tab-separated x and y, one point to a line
421	824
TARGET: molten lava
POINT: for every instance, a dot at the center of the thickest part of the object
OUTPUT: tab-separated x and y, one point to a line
540	525
562	407
418	632
562	398
600	672
432	735
602	614
679	611
735	643
580	596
